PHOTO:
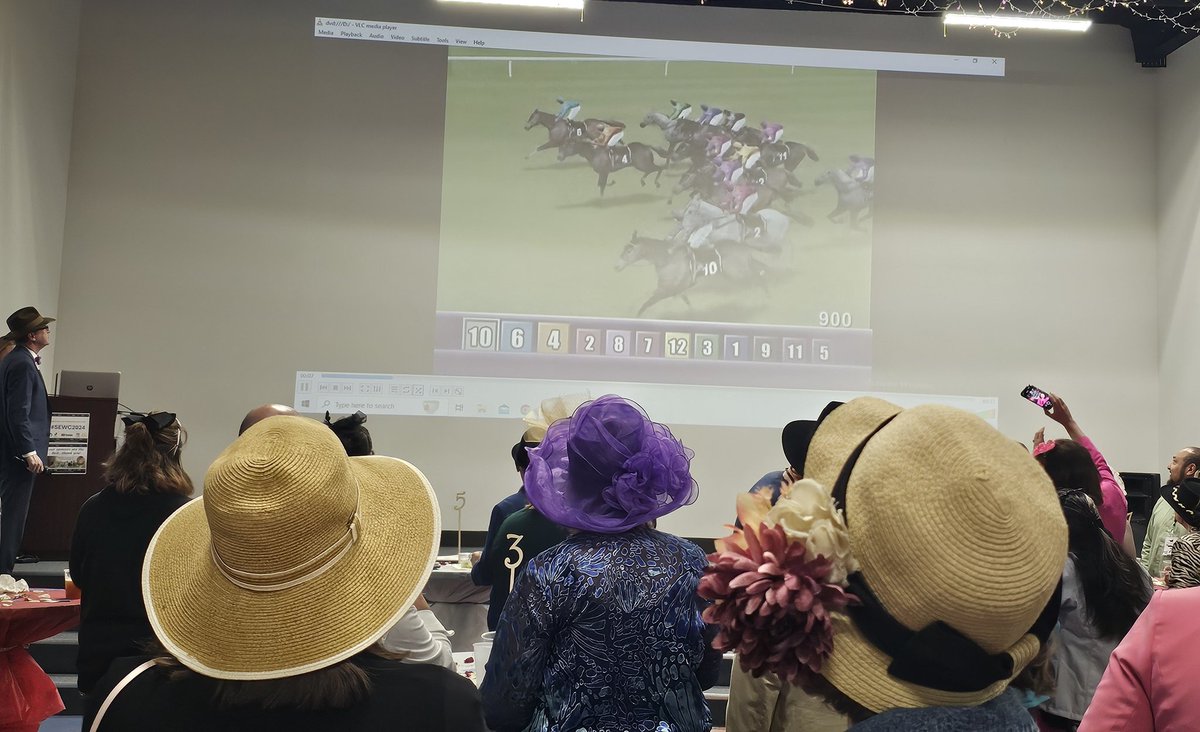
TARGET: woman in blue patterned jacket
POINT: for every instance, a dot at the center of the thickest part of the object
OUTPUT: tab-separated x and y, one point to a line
603	631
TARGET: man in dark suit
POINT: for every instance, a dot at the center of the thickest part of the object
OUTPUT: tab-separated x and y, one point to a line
24	426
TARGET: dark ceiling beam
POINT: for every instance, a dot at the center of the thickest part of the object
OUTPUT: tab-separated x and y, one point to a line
1153	40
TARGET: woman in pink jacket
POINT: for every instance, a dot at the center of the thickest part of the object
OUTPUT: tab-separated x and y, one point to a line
1083	469
1150	681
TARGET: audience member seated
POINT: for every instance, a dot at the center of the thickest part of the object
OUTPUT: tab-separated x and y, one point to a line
1104	591
353	432
1162	531
146	483
917	608
1079	464
481	569
1183	567
1151	676
603	631
261	412
270	593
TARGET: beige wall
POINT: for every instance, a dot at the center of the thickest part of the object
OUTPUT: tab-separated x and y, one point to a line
37	91
1179	249
239	209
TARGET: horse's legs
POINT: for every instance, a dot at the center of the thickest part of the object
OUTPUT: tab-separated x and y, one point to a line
656	297
836	212
602	181
657	175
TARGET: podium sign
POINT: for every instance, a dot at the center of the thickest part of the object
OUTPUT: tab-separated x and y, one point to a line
82	437
68	442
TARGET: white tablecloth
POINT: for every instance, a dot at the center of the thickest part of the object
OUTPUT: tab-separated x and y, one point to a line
459	604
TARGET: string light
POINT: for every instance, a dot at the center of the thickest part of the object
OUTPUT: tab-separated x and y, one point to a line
1184	17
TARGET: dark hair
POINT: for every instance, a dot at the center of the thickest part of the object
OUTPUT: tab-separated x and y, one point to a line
1114	586
149	462
339	686
520	454
356	439
1070	467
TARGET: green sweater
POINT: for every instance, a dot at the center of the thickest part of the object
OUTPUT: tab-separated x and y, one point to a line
1162	525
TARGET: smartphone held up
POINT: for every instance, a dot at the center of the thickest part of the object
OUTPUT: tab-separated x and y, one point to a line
1037	396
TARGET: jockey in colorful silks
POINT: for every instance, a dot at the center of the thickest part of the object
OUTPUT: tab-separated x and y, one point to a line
568	109
748	154
862	170
609	133
709	114
680	110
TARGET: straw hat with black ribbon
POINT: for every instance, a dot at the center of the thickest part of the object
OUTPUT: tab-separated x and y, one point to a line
960	544
296	556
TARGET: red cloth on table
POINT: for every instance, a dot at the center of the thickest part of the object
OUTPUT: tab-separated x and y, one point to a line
27	695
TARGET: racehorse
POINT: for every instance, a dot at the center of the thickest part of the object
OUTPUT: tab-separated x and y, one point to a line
676	131
561	130
605	160
853	198
787	154
674	266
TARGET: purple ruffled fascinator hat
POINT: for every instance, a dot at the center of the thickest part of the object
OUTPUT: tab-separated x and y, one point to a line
608	469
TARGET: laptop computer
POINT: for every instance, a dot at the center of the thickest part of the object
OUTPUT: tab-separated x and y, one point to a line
95	384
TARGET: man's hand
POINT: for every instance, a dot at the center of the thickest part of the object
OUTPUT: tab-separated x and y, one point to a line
475	557
33	464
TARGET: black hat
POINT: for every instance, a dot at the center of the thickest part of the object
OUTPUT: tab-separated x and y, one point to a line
1184	497
799	434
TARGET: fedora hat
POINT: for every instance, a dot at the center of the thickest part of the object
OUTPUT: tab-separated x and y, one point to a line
960	543
25	321
295	557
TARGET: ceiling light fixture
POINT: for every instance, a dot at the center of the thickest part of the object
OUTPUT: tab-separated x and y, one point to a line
1016	22
555	4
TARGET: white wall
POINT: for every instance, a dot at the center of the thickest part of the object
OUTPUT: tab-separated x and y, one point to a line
224	181
1179	249
38	42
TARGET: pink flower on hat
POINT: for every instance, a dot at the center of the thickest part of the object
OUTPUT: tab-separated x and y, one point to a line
1043	448
773	603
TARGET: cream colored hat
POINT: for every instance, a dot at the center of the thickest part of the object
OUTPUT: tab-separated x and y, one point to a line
295	558
961	544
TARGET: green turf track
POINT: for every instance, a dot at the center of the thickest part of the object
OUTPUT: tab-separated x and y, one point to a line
535	236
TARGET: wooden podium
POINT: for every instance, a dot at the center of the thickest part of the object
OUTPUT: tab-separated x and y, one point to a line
57	496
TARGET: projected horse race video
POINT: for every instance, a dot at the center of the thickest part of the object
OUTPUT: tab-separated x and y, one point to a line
616	218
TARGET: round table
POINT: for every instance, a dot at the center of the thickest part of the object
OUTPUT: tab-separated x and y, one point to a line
27	695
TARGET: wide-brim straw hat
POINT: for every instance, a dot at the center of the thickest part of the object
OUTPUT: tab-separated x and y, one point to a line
295	558
951	522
